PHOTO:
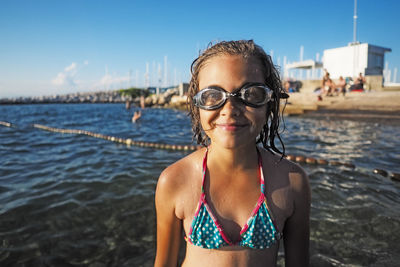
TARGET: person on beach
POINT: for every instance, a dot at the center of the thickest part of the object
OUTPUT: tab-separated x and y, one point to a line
358	84
324	82
324	89
341	86
360	81
288	88
330	88
237	197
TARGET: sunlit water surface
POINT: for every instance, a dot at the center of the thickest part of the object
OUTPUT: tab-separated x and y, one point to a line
74	200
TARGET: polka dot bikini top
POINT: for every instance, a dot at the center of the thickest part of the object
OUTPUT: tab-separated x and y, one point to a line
258	233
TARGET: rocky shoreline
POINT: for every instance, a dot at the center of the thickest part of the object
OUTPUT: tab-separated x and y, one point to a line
170	98
92	97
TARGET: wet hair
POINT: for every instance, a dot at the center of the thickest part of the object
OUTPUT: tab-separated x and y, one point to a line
247	49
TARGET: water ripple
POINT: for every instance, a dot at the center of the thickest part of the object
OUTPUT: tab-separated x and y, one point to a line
73	200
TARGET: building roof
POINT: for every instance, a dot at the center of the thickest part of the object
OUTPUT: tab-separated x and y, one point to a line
305	64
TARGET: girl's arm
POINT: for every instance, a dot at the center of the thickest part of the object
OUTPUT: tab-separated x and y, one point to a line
169	226
296	233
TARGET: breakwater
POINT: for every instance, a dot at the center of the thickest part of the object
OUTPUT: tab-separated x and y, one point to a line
87	97
169	98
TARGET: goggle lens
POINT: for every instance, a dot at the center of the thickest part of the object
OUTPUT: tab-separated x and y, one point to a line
254	95
211	97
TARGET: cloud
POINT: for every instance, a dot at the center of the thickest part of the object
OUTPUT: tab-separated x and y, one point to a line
70	79
109	81
67	77
71	68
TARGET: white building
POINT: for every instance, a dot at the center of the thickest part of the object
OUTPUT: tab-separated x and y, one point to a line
353	59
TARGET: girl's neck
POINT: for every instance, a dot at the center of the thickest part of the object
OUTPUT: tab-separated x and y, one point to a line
233	159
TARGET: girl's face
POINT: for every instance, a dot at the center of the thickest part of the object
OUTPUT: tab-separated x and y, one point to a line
234	124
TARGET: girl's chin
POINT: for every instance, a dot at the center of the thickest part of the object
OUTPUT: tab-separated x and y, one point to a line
233	143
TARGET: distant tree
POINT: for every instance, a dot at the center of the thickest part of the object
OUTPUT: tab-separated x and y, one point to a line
133	92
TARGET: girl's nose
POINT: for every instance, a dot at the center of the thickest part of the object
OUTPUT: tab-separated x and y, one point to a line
232	107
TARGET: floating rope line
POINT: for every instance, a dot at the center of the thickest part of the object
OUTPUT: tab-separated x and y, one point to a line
129	142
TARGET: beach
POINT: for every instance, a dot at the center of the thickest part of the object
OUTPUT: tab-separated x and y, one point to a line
370	105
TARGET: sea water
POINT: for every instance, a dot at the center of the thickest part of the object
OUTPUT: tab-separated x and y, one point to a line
75	200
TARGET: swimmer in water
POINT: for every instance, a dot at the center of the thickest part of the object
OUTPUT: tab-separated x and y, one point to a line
136	116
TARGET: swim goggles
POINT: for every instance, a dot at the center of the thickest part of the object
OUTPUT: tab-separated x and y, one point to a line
251	94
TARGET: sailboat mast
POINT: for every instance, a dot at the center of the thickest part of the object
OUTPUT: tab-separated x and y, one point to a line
355	22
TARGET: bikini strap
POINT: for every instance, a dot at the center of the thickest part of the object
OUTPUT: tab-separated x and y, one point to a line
260	172
204	171
278	234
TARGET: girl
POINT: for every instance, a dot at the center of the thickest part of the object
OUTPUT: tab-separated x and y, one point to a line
233	199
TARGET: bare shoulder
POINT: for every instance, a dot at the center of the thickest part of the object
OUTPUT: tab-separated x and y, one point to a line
175	177
171	195
286	170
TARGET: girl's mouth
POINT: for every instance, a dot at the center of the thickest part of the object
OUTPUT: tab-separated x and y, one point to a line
231	126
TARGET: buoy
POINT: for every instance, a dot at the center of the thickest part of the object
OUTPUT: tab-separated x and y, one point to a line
300	159
381	172
291	157
395	176
311	161
5	123
349	165
322	162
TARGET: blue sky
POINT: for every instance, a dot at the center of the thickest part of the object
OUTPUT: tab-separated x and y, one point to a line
56	47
